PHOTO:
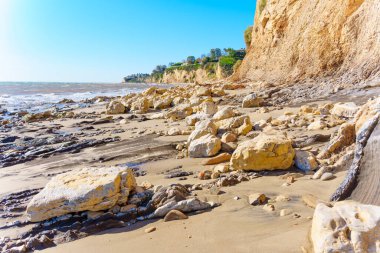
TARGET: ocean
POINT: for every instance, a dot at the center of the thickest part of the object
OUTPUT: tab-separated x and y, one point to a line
39	96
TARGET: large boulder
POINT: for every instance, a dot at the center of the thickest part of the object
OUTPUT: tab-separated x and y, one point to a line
115	107
202	128
89	189
346	227
162	102
205	146
264	152
252	100
346	110
141	105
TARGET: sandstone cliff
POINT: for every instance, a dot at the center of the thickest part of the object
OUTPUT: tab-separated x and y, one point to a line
200	76
297	40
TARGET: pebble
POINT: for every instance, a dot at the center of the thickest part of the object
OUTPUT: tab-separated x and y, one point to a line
150	230
327	176
285	212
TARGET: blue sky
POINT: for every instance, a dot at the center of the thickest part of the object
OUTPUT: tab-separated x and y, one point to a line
104	40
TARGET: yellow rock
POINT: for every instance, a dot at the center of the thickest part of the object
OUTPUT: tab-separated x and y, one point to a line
265	152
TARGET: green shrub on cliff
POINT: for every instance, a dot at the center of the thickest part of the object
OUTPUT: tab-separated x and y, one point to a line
226	63
237	65
262	5
248	36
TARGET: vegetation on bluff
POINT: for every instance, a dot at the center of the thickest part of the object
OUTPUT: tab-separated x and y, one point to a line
226	61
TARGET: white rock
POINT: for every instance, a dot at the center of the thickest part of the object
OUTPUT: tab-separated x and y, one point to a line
88	189
347	110
205	146
225	113
202	128
346	227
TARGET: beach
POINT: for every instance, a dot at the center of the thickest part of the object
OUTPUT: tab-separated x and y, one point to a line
142	141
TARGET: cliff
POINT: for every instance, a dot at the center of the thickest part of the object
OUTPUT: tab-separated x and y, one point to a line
299	40
200	75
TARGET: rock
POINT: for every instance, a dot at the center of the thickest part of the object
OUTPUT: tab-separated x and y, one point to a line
265	152
282	198
228	137
205	146
225	113
305	161
175	215
317	125
174	131
345	137
222	168
164	195
346	227
229	147
252	100
245	128
312	201
320	172
202	128
257	199
347	110
203	91
147	185
141	105
115	107
208	108
94	215
162	102
223	157
185	206
193	119
127	208
231	124
88	189
150	230
179	112
269	207
214	190
285	212
327	176
290	180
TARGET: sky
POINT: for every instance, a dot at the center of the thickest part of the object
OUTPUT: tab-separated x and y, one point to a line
105	40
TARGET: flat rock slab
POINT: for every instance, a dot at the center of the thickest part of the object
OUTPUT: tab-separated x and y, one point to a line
89	189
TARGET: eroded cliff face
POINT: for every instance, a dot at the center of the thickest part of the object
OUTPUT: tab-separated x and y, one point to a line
298	40
199	76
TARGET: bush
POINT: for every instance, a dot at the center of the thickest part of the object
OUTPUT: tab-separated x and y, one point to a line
248	36
262	5
227	63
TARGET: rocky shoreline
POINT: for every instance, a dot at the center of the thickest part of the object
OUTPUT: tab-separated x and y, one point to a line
185	149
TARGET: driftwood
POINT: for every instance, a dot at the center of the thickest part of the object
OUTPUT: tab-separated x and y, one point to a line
351	180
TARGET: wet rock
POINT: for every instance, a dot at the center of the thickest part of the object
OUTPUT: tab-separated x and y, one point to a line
91	189
305	161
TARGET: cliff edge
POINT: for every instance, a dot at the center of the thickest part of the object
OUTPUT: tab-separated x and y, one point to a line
299	40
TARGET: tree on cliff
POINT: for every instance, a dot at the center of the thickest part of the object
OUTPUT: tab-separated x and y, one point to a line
215	54
190	60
